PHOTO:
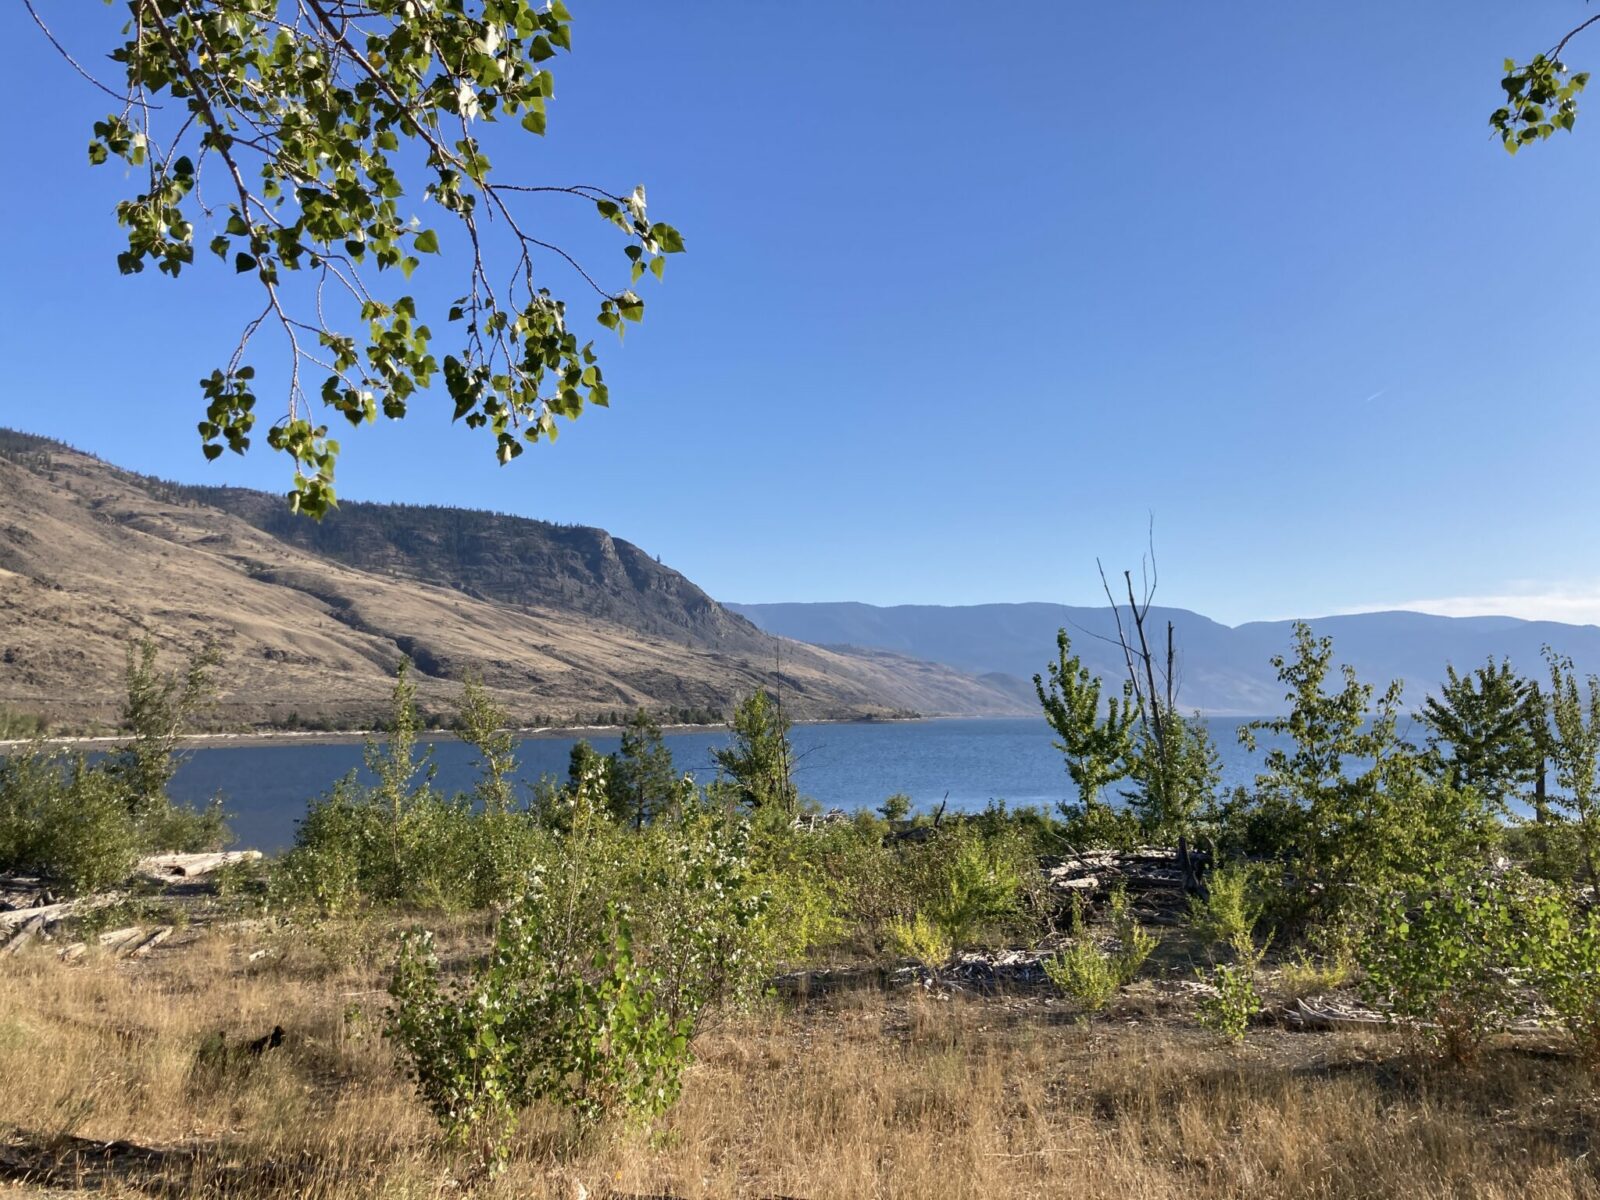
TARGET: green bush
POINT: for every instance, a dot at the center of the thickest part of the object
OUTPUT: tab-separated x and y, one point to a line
1135	943
1567	972
578	1024
922	939
812	881
1230	908
1088	975
66	820
1228	1011
1098	826
70	821
704	913
403	843
585	1002
1450	954
84	825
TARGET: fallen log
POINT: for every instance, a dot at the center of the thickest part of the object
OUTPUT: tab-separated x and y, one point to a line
21	934
143	949
12	918
1329	1015
118	939
166	867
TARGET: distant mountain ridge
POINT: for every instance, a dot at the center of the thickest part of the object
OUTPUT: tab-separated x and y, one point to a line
1222	670
562	622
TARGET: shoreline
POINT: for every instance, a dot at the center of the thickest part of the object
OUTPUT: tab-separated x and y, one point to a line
349	737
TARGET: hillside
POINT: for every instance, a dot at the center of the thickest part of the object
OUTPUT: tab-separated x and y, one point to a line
562	623
1222	670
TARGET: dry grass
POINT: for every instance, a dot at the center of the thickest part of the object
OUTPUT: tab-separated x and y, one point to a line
856	1095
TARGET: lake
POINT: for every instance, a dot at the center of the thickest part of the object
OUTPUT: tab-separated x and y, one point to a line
850	766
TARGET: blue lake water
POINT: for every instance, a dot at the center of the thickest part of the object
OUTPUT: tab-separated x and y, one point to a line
265	788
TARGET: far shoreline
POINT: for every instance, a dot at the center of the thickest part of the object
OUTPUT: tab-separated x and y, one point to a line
349	737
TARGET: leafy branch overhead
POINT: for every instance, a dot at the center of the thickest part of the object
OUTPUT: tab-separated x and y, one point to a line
297	131
1541	96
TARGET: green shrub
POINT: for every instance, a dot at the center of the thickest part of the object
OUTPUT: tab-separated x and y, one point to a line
1098	826
66	820
1449	955
1305	975
1228	1011
896	808
70	821
1134	942
705	914
1568	972
84	825
184	830
585	1002
808	878
157	708
922	939
1230	908
578	1024
400	841
1085	973
963	882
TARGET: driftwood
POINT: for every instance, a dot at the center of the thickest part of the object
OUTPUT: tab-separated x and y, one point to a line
51	913
19	935
1326	1014
167	867
1158	880
12	918
118	939
151	942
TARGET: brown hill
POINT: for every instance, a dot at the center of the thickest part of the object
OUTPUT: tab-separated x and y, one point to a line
562	622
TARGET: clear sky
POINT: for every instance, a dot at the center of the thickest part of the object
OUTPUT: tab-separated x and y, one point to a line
972	291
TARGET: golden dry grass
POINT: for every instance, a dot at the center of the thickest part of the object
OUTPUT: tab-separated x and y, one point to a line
860	1094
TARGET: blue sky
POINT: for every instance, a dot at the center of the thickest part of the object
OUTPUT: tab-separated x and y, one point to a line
972	292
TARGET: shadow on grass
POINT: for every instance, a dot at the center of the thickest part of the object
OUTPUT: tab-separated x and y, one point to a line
70	1162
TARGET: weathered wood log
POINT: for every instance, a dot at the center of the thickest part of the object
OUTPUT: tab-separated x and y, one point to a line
117	939
1080	883
12	918
144	948
1328	1015
192	866
21	934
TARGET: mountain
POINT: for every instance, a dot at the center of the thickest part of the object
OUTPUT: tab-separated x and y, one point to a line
1221	669
561	622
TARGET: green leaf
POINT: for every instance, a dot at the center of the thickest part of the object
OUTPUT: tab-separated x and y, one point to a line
426	242
668	238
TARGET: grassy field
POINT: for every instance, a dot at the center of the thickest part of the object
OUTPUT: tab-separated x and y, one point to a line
861	1092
